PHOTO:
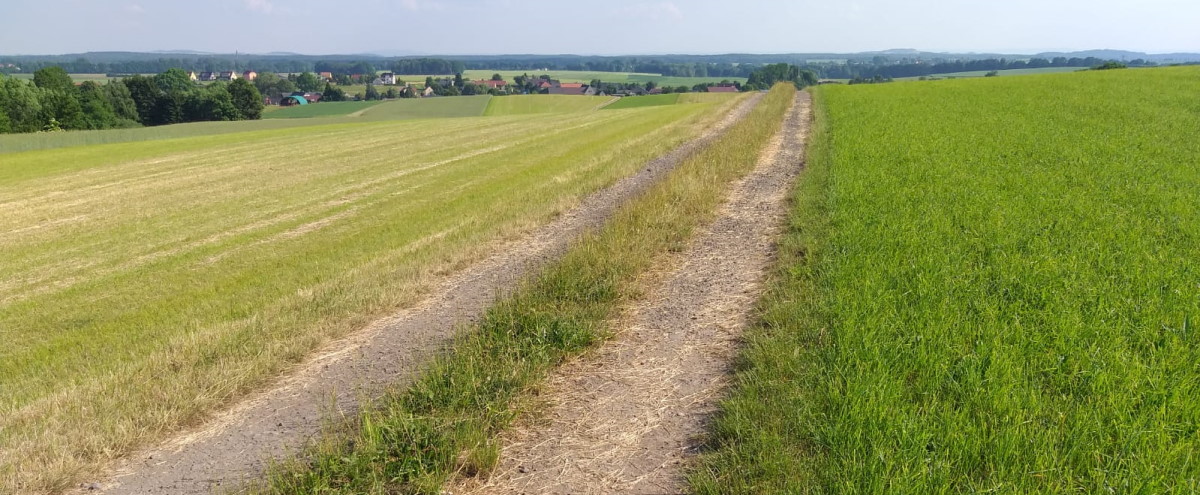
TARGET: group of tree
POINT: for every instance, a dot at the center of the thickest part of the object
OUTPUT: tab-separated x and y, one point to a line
767	76
52	101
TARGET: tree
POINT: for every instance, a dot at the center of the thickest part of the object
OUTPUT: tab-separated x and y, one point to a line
5	125
53	78
458	80
213	103
333	93
269	83
497	77
121	102
429	81
246	99
174	81
1109	66
372	93
307	81
19	101
62	107
391	94
145	96
97	111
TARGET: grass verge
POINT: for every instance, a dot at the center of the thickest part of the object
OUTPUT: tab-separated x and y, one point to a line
446	422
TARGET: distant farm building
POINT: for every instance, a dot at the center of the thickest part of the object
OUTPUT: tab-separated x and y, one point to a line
492	84
208	76
249	75
574	89
387	78
192	75
228	75
328	76
292	100
427	92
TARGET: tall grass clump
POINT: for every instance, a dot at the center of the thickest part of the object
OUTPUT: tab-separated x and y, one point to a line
988	286
446	422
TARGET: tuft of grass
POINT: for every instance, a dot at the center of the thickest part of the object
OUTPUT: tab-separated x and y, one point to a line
988	286
417	438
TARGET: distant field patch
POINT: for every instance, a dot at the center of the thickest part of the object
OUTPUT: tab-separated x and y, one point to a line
534	104
428	108
608	77
324	109
1008	72
644	101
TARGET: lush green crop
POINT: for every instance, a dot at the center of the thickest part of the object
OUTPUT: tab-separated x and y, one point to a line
143	284
989	285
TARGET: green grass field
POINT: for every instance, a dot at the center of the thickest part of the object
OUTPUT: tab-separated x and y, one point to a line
987	286
644	101
146	283
535	104
609	77
1008	72
323	109
405	109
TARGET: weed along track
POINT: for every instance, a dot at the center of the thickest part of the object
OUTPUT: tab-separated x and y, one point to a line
240	443
624	420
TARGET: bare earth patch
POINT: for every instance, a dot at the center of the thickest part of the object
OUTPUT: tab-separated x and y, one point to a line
625	419
238	444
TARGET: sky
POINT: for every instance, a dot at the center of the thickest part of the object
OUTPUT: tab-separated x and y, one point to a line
605	27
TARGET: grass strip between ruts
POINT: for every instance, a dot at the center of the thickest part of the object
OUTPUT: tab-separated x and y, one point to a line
446	422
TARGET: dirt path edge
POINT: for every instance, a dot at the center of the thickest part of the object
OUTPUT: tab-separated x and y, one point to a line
628	418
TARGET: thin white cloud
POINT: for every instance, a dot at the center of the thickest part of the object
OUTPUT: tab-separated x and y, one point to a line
134	8
260	6
657	11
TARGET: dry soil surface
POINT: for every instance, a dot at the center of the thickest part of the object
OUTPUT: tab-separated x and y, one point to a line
626	419
238	444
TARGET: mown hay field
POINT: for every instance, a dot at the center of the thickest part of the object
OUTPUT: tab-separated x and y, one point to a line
147	283
988	285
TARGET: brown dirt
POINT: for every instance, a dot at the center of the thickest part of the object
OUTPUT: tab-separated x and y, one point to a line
626	419
239	443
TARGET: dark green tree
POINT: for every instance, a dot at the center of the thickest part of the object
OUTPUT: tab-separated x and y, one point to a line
372	93
19	101
174	81
62	107
53	78
307	81
497	77
333	93
121	102
145	95
458	80
98	112
246	99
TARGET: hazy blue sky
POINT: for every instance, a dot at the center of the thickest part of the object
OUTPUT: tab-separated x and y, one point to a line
611	27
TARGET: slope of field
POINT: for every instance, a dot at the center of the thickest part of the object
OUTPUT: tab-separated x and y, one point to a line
534	104
415	108
589	76
644	101
324	109
147	283
989	286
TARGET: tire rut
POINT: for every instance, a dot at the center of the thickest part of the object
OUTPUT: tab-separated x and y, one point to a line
239	444
626	419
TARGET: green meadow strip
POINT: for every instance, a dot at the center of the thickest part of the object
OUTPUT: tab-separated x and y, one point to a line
988	286
445	423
